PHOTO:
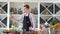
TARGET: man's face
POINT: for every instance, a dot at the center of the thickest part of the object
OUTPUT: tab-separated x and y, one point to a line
26	10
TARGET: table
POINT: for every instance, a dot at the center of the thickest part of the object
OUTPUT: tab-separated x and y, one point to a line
7	32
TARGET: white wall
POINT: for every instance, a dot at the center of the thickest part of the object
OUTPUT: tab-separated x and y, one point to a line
20	5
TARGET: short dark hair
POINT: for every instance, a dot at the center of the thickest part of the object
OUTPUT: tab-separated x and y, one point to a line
27	6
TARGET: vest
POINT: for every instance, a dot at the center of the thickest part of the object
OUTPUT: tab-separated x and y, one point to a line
26	22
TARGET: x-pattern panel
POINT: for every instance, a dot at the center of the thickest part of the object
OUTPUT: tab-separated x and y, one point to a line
49	11
3	14
3	20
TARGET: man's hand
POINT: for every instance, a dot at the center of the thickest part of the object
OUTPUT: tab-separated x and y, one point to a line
11	17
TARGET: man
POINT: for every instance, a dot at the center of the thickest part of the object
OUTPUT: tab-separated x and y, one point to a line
28	18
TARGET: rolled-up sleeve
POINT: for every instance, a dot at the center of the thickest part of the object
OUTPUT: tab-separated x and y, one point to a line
17	19
32	20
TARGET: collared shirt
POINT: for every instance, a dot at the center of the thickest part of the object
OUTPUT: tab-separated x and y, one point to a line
31	16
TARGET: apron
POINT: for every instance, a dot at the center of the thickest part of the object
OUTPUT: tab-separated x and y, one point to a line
26	23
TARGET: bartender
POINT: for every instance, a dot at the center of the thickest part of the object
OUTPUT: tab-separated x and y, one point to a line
28	18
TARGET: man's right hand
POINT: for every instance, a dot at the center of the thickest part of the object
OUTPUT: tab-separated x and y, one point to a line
11	17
